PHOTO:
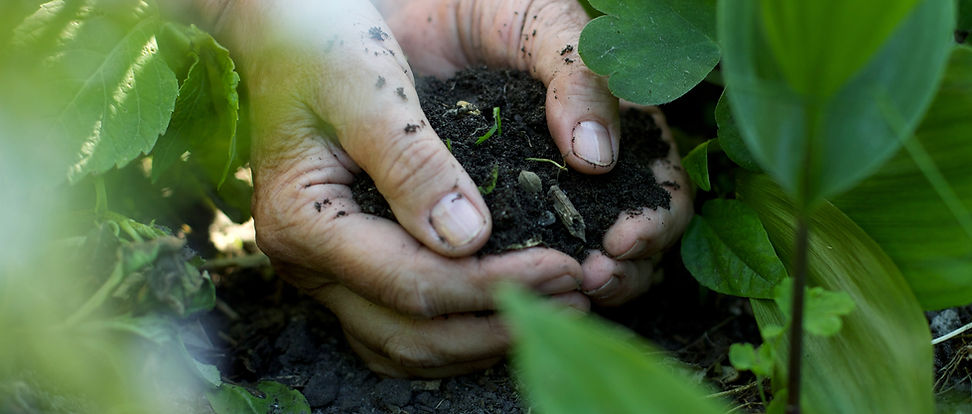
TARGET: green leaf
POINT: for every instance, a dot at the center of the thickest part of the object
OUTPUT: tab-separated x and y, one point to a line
207	110
726	249
570	364
919	213
817	139
729	138
822	309
965	15
745	357
696	164
820	44
880	361
653	50
274	398
116	91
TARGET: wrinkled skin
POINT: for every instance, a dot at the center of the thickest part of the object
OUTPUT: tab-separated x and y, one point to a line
323	80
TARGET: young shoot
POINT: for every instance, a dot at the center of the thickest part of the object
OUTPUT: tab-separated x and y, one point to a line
559	166
497	127
492	182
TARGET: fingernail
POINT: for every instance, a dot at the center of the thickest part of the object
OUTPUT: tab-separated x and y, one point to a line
456	220
635	250
592	143
606	290
561	284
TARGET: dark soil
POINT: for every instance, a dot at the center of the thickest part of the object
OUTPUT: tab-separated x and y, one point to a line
522	218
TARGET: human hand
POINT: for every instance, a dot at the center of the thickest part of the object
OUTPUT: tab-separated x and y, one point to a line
331	94
540	36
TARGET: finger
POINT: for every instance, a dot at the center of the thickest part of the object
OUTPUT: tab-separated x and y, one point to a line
427	347
537	36
643	235
386	366
353	80
610	282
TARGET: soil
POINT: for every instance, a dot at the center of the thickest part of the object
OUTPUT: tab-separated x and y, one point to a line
461	110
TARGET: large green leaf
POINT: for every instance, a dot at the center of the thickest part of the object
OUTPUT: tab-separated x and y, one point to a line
573	365
653	50
815	139
726	249
116	91
820	44
923	221
882	358
206	112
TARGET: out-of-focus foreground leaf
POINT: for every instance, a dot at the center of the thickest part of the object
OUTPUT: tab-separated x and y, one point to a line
881	360
653	50
570	364
922	218
726	249
820	126
115	93
275	398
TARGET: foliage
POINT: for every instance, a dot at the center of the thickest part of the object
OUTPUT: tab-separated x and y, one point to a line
555	360
497	127
697	165
653	51
273	397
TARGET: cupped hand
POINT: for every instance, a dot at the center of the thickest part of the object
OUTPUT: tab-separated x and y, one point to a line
540	36
331	94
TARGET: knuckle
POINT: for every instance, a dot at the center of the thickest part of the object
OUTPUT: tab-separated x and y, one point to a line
408	164
408	294
405	350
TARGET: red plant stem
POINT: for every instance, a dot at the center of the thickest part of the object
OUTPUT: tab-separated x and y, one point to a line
796	328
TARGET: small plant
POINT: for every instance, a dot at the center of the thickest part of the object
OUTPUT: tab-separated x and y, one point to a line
559	166
497	127
492	181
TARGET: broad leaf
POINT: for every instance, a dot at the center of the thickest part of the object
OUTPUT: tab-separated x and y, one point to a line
726	249
696	164
814	138
116	91
881	360
206	112
653	50
573	365
729	138
275	398
923	220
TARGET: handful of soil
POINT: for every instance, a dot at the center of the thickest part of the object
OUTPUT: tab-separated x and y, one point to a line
533	201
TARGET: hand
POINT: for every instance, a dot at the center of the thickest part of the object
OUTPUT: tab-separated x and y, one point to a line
331	94
443	36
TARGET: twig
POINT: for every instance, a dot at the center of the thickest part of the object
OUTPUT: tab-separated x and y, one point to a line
248	261
952	334
734	391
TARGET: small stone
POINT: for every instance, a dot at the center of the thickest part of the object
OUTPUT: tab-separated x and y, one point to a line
530	182
393	392
945	322
322	389
548	218
568	214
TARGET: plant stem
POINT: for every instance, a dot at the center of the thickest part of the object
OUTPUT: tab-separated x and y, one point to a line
796	328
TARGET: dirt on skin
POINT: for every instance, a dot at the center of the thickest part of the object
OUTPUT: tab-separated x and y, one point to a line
461	111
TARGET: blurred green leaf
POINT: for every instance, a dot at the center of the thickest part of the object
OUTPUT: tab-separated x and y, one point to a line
726	249
570	364
653	50
803	35
207	110
116	91
881	360
820	126
273	397
696	164
923	224
729	138
965	15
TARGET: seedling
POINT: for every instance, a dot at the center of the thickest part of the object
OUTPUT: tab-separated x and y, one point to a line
559	166
492	182
497	127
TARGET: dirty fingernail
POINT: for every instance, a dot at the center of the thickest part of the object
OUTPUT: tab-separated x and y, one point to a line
456	220
606	290
561	284
592	143
636	250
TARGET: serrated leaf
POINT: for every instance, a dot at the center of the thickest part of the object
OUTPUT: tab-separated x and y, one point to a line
726	249
696	164
116	91
573	365
818	139
822	309
922	220
207	110
745	357
729	138
880	359
276	397
654	50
